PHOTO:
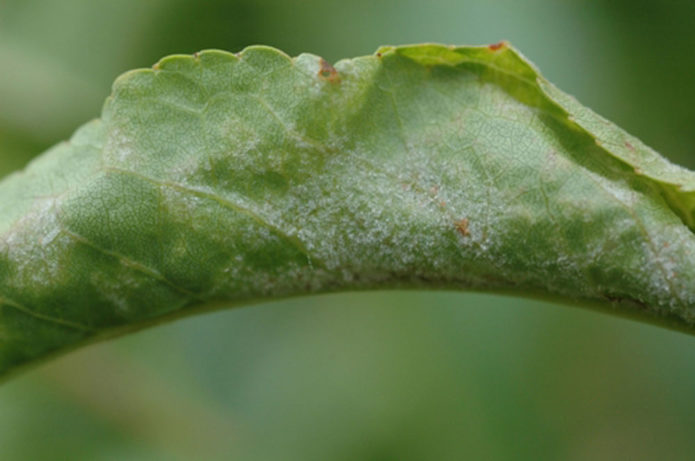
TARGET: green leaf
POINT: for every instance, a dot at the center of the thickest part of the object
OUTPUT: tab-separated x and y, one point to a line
218	180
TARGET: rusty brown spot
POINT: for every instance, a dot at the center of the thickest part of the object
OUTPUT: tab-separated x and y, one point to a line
378	55
462	227
327	72
497	46
629	146
442	204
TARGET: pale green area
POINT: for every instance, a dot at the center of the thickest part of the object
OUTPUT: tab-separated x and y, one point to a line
386	376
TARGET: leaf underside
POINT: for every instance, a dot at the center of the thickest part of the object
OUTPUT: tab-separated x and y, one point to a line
222	179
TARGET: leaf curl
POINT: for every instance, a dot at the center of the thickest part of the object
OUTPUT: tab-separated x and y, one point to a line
222	179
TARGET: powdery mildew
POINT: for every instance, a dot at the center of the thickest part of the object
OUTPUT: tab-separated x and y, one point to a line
231	178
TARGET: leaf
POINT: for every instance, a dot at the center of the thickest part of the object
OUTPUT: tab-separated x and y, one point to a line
217	180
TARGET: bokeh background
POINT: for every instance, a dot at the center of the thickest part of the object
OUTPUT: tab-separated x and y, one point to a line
368	376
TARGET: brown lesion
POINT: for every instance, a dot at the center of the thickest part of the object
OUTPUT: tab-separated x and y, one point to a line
636	303
497	46
327	72
462	227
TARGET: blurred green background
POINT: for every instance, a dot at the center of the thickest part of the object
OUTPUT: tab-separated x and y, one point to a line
368	376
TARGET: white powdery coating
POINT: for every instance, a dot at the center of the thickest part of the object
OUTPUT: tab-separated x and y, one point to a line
33	244
302	182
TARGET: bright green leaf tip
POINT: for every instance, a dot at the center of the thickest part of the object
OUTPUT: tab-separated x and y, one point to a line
224	179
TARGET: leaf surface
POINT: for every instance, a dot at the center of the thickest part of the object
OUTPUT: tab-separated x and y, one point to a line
219	179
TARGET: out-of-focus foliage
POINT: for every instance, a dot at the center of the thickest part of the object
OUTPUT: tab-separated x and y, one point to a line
364	376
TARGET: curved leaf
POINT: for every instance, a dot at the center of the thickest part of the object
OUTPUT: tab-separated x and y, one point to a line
219	179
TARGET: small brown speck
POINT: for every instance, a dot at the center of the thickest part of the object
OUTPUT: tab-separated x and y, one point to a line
327	72
378	55
462	227
629	146
497	46
611	298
